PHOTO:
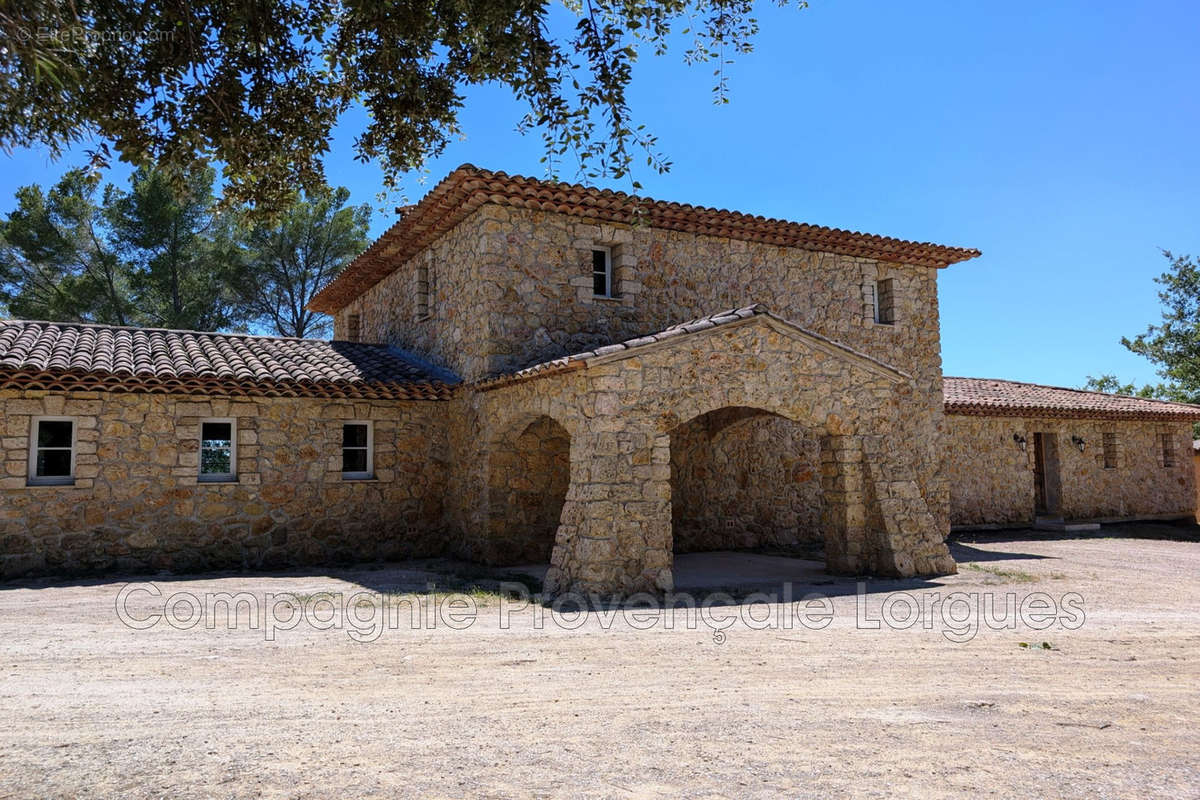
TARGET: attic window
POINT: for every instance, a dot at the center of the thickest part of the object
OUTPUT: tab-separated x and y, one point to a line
353	327
602	283
885	302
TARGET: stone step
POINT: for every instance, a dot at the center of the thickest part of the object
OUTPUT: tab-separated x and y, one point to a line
1060	525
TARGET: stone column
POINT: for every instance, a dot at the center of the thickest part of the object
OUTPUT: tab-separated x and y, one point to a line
845	513
615	535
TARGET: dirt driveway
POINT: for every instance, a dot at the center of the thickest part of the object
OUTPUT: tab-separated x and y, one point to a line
1104	702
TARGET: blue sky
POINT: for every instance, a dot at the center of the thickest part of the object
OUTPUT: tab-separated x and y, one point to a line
1059	138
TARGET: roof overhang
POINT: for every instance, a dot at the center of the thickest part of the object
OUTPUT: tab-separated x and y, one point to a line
468	188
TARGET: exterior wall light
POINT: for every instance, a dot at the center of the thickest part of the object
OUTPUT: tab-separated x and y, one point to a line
1020	440
1078	442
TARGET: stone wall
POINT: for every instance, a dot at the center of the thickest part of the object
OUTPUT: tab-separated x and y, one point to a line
431	306
992	479
742	478
616	526
512	287
137	505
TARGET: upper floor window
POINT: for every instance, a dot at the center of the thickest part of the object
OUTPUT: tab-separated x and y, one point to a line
602	277
52	451
885	302
1167	442
423	290
353	327
218	450
358	446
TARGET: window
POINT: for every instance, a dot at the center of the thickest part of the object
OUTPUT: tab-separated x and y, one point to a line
353	327
52	452
218	450
1167	443
423	291
1110	451
358	445
885	302
602	272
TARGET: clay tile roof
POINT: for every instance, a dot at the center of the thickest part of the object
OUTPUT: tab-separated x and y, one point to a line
54	355
467	188
996	398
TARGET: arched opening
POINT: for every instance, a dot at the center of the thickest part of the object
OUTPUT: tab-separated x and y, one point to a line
529	471
749	481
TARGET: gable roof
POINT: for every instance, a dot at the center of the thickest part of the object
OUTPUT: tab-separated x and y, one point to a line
668	336
997	398
467	188
55	355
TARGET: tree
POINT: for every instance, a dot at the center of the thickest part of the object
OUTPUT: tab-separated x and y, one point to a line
55	260
152	255
1174	345
179	249
288	260
257	85
1111	384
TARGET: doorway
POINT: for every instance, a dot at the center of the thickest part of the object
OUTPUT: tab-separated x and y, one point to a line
1047	486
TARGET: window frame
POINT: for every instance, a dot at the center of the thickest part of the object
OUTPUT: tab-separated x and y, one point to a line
1110	457
1167	451
31	476
354	327
608	271
219	477
369	475
876	290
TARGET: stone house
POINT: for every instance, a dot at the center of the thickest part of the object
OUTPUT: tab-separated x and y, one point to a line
1021	451
534	372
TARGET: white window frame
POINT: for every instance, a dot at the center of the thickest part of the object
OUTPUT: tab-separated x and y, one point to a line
32	478
608	271
219	477
370	473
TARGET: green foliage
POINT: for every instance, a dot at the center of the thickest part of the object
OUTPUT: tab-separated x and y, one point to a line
177	248
163	253
285	261
56	262
1174	345
257	85
1111	384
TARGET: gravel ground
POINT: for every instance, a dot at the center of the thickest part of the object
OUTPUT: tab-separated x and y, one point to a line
1099	704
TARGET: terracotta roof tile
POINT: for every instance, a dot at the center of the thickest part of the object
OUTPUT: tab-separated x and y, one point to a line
989	397
53	355
467	188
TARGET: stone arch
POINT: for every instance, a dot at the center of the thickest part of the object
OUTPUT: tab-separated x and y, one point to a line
528	473
744	477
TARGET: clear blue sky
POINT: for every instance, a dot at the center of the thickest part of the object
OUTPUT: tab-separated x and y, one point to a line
1060	138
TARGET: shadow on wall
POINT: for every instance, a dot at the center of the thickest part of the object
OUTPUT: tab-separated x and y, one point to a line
744	478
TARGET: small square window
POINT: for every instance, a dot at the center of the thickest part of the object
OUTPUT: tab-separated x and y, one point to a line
358	444
602	285
218	450
52	456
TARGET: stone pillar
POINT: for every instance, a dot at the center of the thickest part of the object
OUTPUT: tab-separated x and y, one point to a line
615	535
844	517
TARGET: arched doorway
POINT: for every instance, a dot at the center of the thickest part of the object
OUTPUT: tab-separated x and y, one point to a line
528	475
746	479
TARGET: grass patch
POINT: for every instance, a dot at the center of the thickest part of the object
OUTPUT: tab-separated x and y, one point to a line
1015	575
